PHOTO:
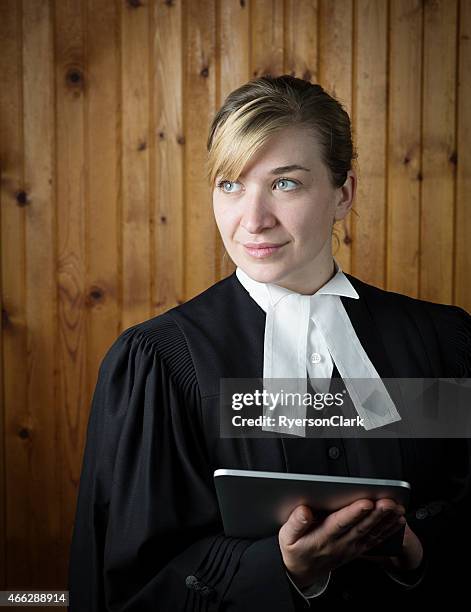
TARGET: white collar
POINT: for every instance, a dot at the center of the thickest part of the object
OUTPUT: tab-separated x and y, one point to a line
337	285
285	346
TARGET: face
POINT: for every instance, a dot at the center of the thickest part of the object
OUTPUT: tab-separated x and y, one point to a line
292	210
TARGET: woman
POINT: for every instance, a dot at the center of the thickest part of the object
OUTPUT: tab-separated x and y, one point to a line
148	534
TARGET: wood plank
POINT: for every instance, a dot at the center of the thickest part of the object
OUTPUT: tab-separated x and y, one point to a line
301	41
103	176
71	86
404	146
14	507
462	261
267	31
167	182
41	443
232	70
200	106
370	104
335	75
439	151
136	273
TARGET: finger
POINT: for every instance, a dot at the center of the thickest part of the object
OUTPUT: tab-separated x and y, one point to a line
379	519
391	527
389	532
298	523
341	521
385	503
387	520
375	537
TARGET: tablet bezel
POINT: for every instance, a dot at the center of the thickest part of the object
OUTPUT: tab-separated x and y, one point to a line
381	482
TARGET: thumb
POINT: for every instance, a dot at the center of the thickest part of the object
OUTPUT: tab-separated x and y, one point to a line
297	524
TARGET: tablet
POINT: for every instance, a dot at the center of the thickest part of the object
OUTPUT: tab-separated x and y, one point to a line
255	504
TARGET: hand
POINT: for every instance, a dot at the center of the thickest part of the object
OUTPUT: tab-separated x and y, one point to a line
410	557
313	547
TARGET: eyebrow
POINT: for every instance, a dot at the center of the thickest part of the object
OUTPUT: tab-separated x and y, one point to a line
282	169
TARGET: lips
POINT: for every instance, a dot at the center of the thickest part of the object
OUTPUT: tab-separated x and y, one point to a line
262	249
262	245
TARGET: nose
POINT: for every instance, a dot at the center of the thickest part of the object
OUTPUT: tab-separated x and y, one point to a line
257	216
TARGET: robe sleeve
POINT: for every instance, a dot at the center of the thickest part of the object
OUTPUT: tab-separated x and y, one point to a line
453	326
443	524
147	532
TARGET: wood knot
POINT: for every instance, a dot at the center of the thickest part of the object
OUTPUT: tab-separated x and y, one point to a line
181	140
406	160
347	239
204	72
163	219
169	2
161	135
453	159
95	295
74	77
419	176
134	3
242	3
22	198
142	146
24	433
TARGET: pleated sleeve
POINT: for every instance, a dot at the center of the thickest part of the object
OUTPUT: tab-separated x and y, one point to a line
147	533
443	524
463	343
453	327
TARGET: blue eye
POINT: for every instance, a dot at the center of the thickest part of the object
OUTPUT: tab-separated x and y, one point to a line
221	184
286	180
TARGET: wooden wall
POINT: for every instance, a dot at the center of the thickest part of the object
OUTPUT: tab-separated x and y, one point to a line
106	217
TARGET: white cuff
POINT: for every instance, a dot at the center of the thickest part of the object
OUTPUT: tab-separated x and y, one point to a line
315	589
417	581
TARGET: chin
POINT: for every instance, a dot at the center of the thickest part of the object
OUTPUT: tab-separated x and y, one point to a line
263	274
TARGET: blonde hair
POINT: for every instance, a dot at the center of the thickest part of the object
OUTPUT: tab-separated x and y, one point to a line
251	114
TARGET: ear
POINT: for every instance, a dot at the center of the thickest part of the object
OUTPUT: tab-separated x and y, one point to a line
345	196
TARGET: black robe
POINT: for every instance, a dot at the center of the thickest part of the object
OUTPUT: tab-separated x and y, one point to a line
148	534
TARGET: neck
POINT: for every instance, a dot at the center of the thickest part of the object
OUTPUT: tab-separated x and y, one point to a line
308	282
